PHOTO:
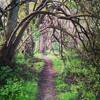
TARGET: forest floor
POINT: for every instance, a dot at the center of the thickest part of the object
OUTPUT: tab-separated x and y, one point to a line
71	82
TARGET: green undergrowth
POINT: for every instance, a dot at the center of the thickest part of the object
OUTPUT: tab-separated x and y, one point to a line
84	85
76	80
13	87
19	90
79	81
21	59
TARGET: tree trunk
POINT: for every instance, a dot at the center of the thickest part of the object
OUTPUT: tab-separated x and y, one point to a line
12	18
9	48
6	53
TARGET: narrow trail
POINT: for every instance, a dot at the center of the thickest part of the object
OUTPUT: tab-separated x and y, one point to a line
47	90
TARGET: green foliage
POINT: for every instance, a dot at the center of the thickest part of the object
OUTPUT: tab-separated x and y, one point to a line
56	46
77	80
72	4
88	96
85	86
61	86
20	59
36	32
13	87
57	63
39	66
5	73
19	90
11	90
67	96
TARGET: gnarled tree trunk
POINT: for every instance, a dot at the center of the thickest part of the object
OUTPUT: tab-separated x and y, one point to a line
6	52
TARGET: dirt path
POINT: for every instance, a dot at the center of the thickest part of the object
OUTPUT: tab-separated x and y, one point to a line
47	81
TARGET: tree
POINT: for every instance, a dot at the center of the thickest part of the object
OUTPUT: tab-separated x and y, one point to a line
8	50
76	17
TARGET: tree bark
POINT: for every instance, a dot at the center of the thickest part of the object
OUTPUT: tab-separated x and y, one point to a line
12	18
